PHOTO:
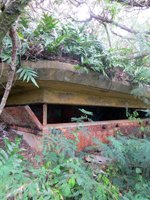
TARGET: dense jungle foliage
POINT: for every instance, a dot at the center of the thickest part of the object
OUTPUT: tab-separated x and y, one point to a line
74	42
61	173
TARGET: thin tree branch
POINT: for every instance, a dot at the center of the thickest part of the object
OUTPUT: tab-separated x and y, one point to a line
103	20
108	35
138	3
12	69
121	36
139	55
110	21
77	3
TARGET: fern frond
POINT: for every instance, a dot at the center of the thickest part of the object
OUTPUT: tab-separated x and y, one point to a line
27	74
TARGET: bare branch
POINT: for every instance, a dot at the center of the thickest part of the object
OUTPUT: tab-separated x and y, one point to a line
106	20
12	70
121	36
139	55
103	20
110	21
108	36
137	3
77	2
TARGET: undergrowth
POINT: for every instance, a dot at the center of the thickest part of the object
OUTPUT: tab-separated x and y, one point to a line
60	175
63	174
130	169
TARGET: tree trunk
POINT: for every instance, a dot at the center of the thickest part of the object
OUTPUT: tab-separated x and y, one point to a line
10	15
12	69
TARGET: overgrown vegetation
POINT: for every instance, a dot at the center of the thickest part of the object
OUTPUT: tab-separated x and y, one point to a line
51	39
60	175
130	168
63	174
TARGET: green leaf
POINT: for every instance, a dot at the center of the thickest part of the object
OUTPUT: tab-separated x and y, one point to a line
28	74
66	190
72	182
138	170
34	82
57	170
20	35
86	112
79	180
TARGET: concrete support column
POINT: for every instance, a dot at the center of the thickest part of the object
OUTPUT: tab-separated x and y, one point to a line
44	114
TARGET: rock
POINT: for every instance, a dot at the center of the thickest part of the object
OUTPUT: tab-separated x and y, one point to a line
97	159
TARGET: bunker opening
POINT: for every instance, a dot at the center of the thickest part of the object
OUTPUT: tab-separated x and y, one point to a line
56	114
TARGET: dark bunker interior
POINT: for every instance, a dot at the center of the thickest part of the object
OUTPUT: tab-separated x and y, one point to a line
64	113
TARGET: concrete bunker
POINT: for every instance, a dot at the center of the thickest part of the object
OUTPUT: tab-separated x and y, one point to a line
62	91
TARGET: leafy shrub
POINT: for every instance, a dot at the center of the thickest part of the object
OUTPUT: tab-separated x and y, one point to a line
66	40
12	170
130	169
60	175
